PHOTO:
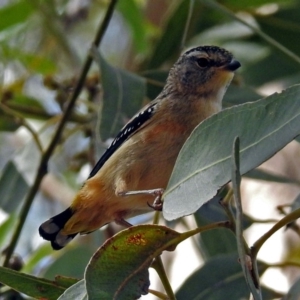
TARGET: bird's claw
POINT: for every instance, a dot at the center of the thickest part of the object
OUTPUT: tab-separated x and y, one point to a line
157	204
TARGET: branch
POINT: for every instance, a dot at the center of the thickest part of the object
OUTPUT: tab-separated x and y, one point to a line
283	222
42	169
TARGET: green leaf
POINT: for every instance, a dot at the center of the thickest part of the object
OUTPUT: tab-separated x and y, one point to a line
31	61
15	13
156	80
296	203
36	256
8	123
66	281
30	285
282	25
170	42
64	264
220	240
239	95
219	276
13	187
123	96
76	291
203	164
260	174
253	3
250	276
119	269
6	228
136	21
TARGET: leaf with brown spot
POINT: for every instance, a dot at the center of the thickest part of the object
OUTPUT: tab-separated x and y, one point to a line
119	269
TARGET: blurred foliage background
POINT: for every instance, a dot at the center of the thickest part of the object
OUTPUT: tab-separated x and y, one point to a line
43	46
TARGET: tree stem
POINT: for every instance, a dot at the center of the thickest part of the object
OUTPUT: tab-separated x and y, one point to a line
42	169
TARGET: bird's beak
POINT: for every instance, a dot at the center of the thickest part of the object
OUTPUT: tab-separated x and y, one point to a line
233	65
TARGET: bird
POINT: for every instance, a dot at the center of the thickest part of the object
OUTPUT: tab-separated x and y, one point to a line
132	174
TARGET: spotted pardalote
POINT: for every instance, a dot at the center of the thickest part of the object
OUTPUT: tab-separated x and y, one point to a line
130	177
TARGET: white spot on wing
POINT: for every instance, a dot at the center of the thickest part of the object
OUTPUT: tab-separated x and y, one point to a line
50	227
62	240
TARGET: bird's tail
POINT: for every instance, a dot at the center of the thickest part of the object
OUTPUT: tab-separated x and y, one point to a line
51	230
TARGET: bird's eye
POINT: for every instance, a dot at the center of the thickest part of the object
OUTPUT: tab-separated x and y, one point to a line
202	62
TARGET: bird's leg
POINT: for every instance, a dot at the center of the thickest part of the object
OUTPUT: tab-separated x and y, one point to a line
157	193
123	222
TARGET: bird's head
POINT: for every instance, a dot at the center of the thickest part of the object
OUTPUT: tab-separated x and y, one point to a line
203	71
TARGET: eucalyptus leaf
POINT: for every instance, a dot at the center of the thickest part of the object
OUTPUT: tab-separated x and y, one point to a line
203	164
119	269
135	19
169	42
64	263
123	95
294	292
76	291
13	187
220	240
221	275
8	123
251	276
36	287
260	174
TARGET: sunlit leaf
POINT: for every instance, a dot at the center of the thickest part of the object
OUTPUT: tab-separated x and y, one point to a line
203	164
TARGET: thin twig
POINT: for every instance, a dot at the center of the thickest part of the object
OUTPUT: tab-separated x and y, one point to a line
283	222
158	294
159	268
42	169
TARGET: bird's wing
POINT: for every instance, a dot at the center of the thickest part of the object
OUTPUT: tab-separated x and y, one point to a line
136	122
